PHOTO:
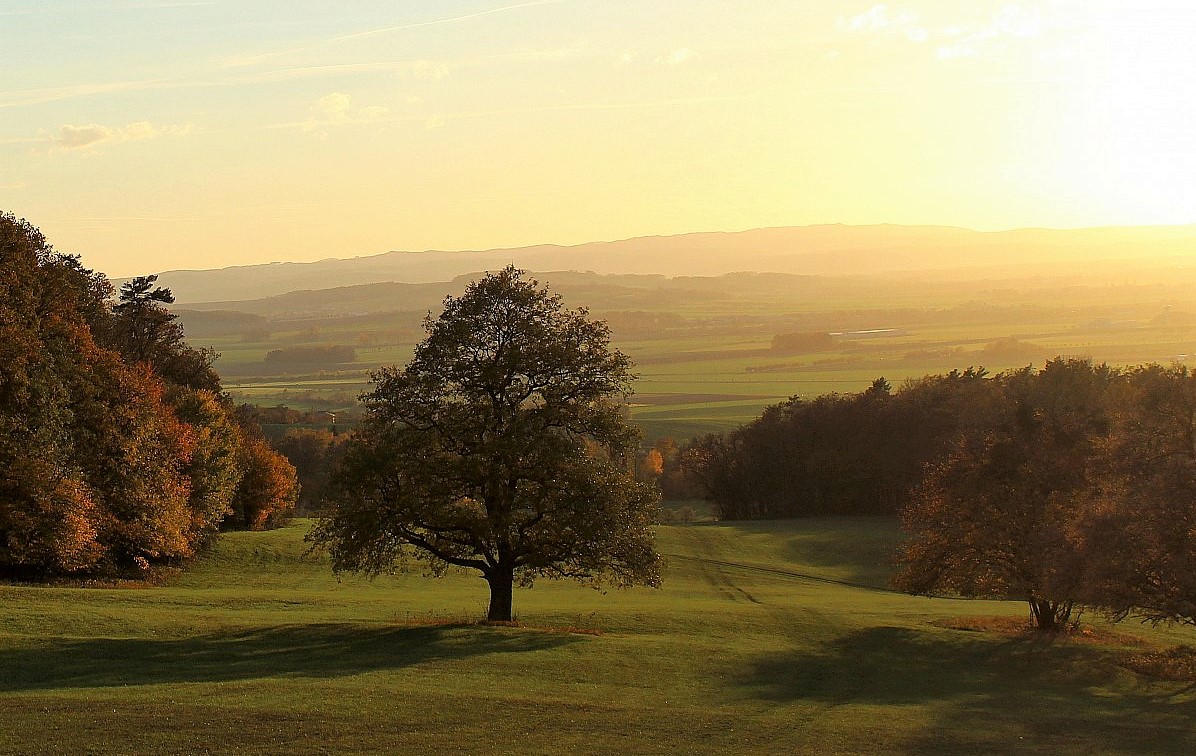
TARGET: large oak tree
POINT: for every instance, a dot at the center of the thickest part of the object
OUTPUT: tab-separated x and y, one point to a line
502	446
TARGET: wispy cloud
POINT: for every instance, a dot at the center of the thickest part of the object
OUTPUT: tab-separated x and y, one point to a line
337	109
1011	22
71	137
16	98
885	21
679	56
250	60
436	121
46	9
12	186
426	70
420	70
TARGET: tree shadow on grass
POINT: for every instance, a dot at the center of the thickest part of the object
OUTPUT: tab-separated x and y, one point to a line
862	556
998	694
320	650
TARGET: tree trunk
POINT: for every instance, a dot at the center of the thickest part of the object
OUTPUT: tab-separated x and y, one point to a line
1050	616
501	584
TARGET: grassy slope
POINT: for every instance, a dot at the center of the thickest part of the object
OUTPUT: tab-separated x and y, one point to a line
767	638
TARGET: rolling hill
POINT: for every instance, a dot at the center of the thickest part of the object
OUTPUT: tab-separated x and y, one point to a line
827	250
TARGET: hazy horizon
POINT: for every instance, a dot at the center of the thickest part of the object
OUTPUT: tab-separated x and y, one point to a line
168	134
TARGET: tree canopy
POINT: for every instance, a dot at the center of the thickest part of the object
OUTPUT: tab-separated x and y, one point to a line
110	461
1070	487
502	447
998	515
1076	489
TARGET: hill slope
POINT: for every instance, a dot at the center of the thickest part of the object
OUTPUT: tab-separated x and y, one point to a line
807	250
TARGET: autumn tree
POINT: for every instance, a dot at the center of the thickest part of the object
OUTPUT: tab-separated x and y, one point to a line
216	467
500	447
312	452
1139	532
651	466
238	481
144	330
998	516
114	453
49	513
268	488
91	457
832	454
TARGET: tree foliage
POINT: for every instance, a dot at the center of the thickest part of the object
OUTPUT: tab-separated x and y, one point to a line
313	453
998	515
834	454
500	447
107	462
144	330
1069	487
1078	489
1139	532
313	354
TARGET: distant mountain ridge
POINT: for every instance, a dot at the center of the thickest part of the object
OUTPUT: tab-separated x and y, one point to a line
825	250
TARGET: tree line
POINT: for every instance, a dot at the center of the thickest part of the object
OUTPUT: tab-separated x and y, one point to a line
1071	486
118	449
836	453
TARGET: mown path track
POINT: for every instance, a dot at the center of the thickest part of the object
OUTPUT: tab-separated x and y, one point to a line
775	571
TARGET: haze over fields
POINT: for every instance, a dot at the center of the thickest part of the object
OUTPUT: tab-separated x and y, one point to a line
712	342
829	250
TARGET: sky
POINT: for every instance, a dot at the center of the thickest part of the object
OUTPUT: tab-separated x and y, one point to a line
154	134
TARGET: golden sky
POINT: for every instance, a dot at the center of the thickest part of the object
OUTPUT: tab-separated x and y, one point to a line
150	134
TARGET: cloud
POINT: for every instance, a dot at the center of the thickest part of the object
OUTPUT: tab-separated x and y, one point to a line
12	187
334	103
373	113
426	70
336	109
71	137
1012	21
881	20
677	57
418	70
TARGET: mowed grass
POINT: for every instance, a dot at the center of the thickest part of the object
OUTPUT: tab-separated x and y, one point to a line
766	638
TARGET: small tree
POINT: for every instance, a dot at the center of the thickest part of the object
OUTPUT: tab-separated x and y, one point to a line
501	447
144	330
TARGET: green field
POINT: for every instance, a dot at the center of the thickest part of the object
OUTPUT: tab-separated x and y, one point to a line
766	638
703	347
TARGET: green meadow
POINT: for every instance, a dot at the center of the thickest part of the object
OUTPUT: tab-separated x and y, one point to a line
776	637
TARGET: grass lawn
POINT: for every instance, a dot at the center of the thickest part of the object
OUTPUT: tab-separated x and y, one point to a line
766	638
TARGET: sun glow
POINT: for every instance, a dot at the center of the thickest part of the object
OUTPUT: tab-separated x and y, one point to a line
1131	124
459	124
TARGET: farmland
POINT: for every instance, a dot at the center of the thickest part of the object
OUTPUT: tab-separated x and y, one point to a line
704	347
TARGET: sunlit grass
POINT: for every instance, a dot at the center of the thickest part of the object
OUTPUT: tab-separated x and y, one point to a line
766	638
